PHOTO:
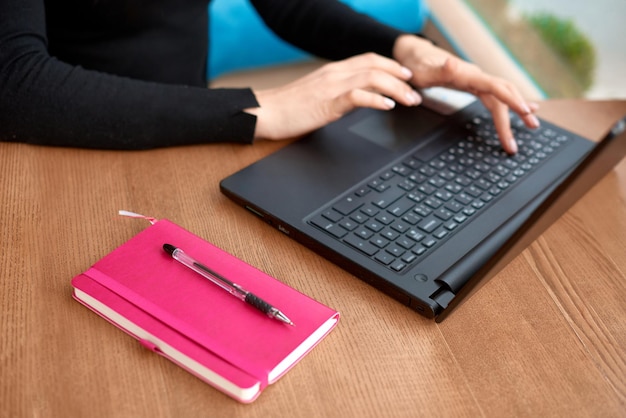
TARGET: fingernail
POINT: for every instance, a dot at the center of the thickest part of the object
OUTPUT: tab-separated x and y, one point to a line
534	121
389	104
525	108
414	98
407	73
513	146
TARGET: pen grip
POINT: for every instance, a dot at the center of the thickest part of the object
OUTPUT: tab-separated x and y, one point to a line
258	303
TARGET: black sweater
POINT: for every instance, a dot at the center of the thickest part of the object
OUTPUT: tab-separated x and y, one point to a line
130	74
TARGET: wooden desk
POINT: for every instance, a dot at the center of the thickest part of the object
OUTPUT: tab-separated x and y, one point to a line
545	337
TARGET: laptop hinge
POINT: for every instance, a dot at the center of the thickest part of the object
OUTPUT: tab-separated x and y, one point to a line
443	296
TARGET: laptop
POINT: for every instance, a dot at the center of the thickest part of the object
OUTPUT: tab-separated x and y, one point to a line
418	202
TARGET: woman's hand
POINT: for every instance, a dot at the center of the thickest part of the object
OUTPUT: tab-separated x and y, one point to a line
373	81
432	66
325	95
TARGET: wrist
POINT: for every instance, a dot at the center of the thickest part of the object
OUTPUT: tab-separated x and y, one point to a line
258	124
259	119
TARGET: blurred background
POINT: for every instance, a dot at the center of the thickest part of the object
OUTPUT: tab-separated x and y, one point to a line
570	48
561	48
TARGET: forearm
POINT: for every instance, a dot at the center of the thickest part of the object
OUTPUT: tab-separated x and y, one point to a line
56	104
46	101
327	28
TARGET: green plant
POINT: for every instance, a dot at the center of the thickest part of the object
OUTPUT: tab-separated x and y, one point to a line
567	41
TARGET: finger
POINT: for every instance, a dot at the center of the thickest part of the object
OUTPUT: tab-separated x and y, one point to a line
502	122
476	81
382	83
371	61
359	98
530	120
470	78
534	107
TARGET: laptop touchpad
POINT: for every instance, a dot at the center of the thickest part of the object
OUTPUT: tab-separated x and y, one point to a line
397	129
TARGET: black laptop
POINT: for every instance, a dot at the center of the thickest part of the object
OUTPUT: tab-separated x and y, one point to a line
415	201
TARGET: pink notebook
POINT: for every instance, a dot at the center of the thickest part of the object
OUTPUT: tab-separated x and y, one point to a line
181	315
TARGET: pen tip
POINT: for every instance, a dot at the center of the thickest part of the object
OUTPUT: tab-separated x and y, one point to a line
169	248
282	317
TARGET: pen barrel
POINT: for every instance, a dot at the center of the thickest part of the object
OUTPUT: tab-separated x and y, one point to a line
258	303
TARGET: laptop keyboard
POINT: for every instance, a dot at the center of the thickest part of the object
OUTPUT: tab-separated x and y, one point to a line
408	209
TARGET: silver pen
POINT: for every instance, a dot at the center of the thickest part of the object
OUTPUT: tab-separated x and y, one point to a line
231	287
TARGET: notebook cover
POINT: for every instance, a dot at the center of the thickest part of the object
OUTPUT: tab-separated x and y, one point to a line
216	336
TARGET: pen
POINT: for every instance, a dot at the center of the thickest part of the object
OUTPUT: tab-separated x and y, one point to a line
231	287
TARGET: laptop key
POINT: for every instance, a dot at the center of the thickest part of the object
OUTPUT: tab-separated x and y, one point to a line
379	241
330	227
409	258
397	265
332	215
395	250
361	245
400	207
413	205
369	210
348	205
348	224
384	257
387	197
429	224
364	233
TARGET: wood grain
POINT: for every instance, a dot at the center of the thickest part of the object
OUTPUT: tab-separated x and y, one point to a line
546	336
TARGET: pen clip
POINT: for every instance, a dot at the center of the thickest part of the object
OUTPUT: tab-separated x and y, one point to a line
137	215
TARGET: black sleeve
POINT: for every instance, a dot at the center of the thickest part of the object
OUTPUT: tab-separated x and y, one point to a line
46	101
326	28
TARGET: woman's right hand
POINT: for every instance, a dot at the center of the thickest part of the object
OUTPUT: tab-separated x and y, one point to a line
330	92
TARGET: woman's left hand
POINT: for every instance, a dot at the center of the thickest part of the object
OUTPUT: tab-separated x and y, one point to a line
433	66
